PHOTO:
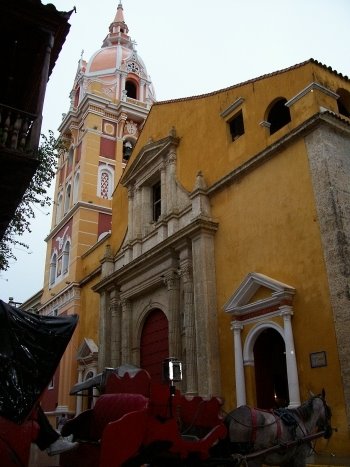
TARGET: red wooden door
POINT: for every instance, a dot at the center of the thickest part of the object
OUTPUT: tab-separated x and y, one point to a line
154	345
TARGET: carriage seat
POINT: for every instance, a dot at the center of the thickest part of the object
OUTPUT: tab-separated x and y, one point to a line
195	427
202	423
15	441
109	433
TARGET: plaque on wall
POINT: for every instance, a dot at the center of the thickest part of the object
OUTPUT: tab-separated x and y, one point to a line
318	359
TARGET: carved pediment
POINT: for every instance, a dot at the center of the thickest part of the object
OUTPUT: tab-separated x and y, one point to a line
149	159
259	293
88	349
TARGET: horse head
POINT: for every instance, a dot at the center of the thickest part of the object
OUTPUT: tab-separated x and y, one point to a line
324	420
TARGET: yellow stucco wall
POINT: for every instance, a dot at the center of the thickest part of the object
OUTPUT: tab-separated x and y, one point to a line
268	224
213	152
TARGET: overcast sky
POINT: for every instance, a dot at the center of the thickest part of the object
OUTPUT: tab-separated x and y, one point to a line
189	47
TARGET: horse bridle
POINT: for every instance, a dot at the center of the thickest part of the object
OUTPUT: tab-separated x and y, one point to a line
326	426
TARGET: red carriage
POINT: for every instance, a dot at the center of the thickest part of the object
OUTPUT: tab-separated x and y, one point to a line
136	421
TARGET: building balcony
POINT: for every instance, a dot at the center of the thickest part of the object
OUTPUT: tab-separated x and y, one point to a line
19	141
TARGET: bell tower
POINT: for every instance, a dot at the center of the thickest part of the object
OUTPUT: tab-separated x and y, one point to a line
109	102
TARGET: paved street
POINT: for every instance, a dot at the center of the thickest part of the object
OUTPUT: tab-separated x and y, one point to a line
41	459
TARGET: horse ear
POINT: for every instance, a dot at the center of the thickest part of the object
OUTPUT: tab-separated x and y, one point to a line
323	393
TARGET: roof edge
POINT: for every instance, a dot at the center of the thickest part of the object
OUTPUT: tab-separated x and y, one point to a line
253	80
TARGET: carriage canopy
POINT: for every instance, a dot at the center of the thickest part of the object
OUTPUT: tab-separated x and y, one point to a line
31	347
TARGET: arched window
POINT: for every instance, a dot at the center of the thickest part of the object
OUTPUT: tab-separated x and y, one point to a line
67	198
344	102
105	182
131	89
278	115
65	261
59	208
53	268
76	187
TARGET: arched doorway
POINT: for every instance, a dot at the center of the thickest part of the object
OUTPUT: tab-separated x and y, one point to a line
270	370
154	343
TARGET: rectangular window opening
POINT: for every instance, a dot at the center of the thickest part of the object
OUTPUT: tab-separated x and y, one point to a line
236	126
156	194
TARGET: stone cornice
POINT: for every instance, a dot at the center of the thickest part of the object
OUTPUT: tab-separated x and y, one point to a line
311	87
73	210
231	108
162	249
75	116
90	276
264	155
61	299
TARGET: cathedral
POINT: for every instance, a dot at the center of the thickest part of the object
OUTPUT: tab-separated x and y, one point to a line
215	232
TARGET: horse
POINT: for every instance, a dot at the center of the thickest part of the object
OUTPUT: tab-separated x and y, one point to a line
281	437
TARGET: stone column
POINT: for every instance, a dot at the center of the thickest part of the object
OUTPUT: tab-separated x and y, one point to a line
142	90
171	197
204	282
122	87
121	124
146	210
115	328
172	282
125	329
189	329
79	404
137	212
239	368
137	222
104	332
292	370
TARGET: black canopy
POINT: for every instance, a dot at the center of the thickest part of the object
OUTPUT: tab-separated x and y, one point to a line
31	347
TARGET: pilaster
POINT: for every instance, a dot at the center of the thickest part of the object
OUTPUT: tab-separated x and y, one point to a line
115	307
189	328
172	282
208	362
171	181
292	370
104	332
239	367
125	327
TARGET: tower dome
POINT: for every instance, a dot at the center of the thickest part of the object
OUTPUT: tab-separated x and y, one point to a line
116	65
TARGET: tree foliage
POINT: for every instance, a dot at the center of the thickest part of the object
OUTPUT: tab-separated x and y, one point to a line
36	195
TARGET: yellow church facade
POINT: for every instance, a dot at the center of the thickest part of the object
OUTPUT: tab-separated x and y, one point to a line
230	230
222	241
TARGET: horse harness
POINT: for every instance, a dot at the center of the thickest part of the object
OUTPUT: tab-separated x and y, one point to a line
280	415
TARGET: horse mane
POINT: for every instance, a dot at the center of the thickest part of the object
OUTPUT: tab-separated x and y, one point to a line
305	410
